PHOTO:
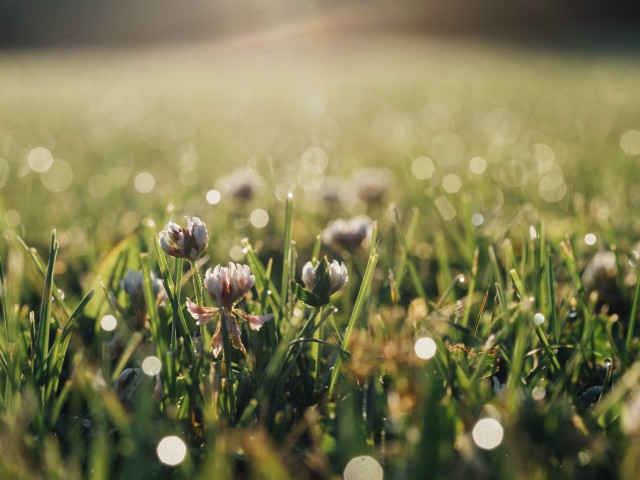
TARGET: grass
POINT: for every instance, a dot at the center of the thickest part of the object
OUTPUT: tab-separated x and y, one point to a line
464	252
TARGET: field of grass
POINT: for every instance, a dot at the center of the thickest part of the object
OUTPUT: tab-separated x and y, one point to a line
487	328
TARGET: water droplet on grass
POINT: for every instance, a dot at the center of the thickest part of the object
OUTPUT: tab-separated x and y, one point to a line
538	318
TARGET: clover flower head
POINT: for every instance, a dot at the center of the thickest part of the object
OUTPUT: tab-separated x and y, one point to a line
185	242
372	183
338	276
228	285
332	191
241	184
337	272
601	272
348	234
600	277
309	275
132	284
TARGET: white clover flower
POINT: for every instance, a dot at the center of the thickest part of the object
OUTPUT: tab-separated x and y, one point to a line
601	271
228	285
601	277
349	234
128	385
332	191
337	272
308	275
338	276
132	284
240	184
372	183
185	242
132	386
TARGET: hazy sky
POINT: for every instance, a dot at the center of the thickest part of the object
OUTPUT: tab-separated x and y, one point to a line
36	23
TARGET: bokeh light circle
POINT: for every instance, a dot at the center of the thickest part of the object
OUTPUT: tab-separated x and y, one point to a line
58	177
213	197
108	323
40	159
151	365
259	218
363	468
144	182
487	433
172	450
425	348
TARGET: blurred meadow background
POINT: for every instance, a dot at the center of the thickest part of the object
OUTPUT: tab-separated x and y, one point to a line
495	147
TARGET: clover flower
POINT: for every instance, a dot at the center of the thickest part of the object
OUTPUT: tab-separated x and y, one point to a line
185	242
601	276
227	285
132	386
348	234
337	272
240	184
133	286
135	311
332	191
372	183
320	282
601	270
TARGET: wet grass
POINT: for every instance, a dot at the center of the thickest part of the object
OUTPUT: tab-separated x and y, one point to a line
494	178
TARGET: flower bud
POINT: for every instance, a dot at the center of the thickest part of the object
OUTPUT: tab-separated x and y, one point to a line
185	242
349	234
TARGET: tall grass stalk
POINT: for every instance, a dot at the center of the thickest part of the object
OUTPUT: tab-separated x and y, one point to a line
361	299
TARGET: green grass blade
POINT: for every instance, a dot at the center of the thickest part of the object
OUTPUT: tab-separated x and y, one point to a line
287	254
3	311
258	270
363	295
633	318
170	289
43	327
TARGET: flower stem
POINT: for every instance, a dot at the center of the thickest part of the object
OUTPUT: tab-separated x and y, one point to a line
197	282
197	288
229	402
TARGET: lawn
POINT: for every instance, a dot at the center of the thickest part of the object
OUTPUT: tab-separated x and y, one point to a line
488	197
